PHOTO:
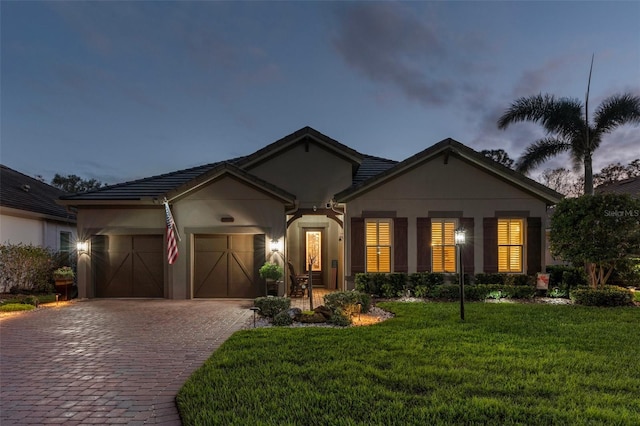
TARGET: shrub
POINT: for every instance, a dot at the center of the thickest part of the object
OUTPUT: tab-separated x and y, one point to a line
490	278
25	268
339	318
272	306
370	283
271	271
344	304
427	279
607	296
520	291
479	292
15	307
347	300
31	300
573	278
395	285
557	293
445	292
421	291
64	273
520	280
282	319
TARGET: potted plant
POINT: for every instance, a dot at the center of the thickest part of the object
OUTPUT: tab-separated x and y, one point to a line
271	272
63	278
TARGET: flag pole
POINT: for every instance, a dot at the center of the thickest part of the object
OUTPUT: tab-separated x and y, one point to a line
173	222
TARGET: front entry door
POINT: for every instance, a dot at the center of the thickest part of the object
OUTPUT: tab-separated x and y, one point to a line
313	254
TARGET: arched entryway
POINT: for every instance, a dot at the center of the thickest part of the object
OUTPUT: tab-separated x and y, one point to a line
315	239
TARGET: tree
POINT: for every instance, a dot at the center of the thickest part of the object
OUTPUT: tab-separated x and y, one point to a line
563	181
499	156
615	172
75	184
566	182
601	231
568	128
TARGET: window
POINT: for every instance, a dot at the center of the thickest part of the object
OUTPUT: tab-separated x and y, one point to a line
443	246
65	242
313	250
378	245
510	245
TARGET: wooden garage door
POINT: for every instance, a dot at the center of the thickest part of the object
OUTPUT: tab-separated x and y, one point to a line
128	265
227	265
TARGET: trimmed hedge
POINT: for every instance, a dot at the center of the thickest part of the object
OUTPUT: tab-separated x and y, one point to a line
607	296
445	286
504	279
272	306
479	292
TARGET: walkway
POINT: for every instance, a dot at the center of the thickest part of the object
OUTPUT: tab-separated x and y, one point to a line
108	361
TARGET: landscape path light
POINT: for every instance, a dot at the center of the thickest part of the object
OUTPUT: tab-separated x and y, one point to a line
460	237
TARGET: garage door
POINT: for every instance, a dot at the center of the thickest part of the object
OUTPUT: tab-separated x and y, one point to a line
128	265
227	265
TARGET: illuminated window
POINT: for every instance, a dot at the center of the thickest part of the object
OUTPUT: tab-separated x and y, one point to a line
510	245
313	250
443	246
378	242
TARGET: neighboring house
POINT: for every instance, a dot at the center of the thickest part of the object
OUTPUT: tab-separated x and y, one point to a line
309	200
29	213
629	186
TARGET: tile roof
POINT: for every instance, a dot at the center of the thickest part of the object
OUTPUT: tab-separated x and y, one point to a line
629	186
21	192
367	169
370	167
147	188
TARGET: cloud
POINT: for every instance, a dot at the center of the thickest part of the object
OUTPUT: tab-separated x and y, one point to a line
537	80
388	44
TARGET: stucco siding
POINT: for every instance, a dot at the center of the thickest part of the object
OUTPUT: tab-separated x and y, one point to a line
435	187
313	175
37	232
226	205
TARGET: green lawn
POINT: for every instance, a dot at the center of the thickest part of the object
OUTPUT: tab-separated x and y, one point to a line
507	364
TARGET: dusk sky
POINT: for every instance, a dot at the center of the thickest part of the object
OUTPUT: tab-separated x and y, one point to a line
123	90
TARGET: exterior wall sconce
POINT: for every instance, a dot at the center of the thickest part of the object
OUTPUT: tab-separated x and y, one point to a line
459	238
82	246
275	246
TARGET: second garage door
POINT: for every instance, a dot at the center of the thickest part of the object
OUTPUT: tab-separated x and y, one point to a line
227	265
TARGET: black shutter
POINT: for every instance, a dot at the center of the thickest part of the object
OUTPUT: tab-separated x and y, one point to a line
423	230
400	245
490	245
357	245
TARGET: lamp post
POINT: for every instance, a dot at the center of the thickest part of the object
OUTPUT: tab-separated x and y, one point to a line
459	237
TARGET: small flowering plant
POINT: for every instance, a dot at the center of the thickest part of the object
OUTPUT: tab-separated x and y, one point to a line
64	273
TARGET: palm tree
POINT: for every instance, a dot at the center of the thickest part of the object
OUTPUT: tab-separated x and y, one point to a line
568	129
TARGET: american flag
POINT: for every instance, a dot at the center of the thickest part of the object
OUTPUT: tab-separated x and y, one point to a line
172	246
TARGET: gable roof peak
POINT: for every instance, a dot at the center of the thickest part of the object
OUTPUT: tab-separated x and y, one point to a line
301	136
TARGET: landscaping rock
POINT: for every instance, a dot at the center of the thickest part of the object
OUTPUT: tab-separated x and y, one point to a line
311	319
294	312
324	311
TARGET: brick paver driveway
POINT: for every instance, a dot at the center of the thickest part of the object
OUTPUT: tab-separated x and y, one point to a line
108	361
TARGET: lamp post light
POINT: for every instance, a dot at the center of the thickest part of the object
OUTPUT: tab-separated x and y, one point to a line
459	237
